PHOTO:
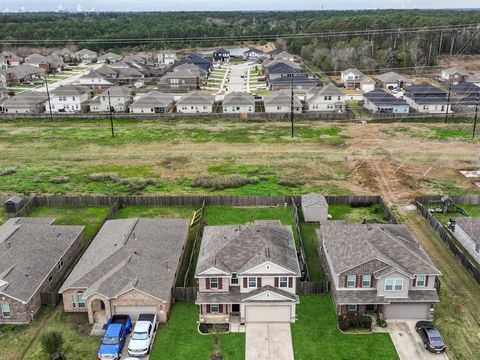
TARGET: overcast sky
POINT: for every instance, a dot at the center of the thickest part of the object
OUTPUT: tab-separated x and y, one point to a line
198	5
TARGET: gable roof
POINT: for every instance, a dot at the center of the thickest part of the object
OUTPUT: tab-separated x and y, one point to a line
270	63
382	98
471	225
281	98
118	91
239	98
257	51
281	68
355	71
197	97
36	59
350	245
70	90
110	57
84	52
391	76
456	69
238	248
466	88
131	254
313	199
153	99
26	99
30	248
221	50
328	90
20	71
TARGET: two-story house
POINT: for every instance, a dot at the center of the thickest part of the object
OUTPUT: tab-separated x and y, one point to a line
166	57
378	268
327	98
71	98
247	273
351	78
117	97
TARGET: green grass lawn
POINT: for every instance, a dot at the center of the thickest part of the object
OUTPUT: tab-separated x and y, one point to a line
22	342
315	335
180	339
310	242
358	110
227	215
185	212
3	216
472	210
354	215
92	217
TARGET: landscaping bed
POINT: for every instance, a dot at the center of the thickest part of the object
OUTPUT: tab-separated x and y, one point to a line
180	339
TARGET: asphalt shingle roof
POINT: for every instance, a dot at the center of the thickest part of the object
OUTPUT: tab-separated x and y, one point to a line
471	225
153	99
238	98
138	253
30	248
197	97
314	199
382	98
281	98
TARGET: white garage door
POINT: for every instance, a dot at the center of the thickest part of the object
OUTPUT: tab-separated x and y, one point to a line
277	313
406	311
134	311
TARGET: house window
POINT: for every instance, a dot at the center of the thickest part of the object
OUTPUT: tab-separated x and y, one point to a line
234	280
6	311
78	300
351	281
50	277
477	248
366	279
214	283
394	284
420	281
214	308
252	282
352	307
283	282
60	264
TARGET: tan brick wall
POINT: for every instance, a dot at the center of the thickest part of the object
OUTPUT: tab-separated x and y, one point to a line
140	299
67	301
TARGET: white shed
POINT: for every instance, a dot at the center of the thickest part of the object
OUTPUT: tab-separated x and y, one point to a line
314	207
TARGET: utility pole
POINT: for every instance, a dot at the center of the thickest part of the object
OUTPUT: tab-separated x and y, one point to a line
48	96
476	116
292	108
111	114
448	99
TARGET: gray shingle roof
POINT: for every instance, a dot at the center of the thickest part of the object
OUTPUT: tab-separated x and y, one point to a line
350	245
314	199
360	297
26	99
238	248
328	90
20	71
110	57
153	99
238	98
391	76
456	69
118	91
234	296
139	253
36	59
355	71
30	248
471	225
382	98
197	97
281	98
71	90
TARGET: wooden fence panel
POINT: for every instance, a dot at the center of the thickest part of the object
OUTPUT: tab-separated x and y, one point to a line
185	294
309	287
50	298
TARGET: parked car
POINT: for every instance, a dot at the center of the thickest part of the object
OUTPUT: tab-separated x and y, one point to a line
143	334
112	343
430	336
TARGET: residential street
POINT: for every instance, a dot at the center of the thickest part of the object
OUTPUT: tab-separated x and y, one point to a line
69	80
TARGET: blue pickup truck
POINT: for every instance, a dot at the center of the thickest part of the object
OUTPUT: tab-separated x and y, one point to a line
117	329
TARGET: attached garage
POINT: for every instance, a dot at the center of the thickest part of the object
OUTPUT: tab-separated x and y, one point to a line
406	311
259	314
134	310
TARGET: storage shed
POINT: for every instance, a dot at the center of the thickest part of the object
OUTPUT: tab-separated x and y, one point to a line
14	204
314	207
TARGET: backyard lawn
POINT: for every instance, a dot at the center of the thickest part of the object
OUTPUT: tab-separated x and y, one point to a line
315	335
472	210
355	215
180	339
92	217
156	211
310	241
23	341
228	215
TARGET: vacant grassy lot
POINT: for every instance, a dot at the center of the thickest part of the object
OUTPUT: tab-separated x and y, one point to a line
457	313
315	335
180	339
328	157
92	217
23	341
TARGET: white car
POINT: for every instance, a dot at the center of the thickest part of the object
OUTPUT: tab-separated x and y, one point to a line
143	334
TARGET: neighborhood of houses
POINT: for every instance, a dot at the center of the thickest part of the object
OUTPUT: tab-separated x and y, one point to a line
246	274
231	81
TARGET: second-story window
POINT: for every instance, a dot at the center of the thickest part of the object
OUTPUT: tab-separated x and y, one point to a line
214	283
420	281
283	282
252	282
234	280
366	280
351	279
394	284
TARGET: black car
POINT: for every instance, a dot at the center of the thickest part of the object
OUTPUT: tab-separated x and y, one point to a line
430	336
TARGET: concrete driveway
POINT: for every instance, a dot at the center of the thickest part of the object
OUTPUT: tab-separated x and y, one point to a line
408	343
268	342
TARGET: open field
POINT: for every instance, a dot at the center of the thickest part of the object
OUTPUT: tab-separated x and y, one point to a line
316	336
180	339
331	158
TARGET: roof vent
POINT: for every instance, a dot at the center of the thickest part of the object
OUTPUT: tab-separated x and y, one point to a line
166	265
9	244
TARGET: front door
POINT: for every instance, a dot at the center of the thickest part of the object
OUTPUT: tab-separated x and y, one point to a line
235	308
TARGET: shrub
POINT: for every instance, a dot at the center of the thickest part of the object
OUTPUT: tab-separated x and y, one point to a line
220	182
59	179
354	322
382	323
104	177
8	171
52	342
140	184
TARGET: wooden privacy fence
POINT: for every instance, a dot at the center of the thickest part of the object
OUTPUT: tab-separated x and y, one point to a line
50	298
313	287
197	224
447	238
185	293
300	252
